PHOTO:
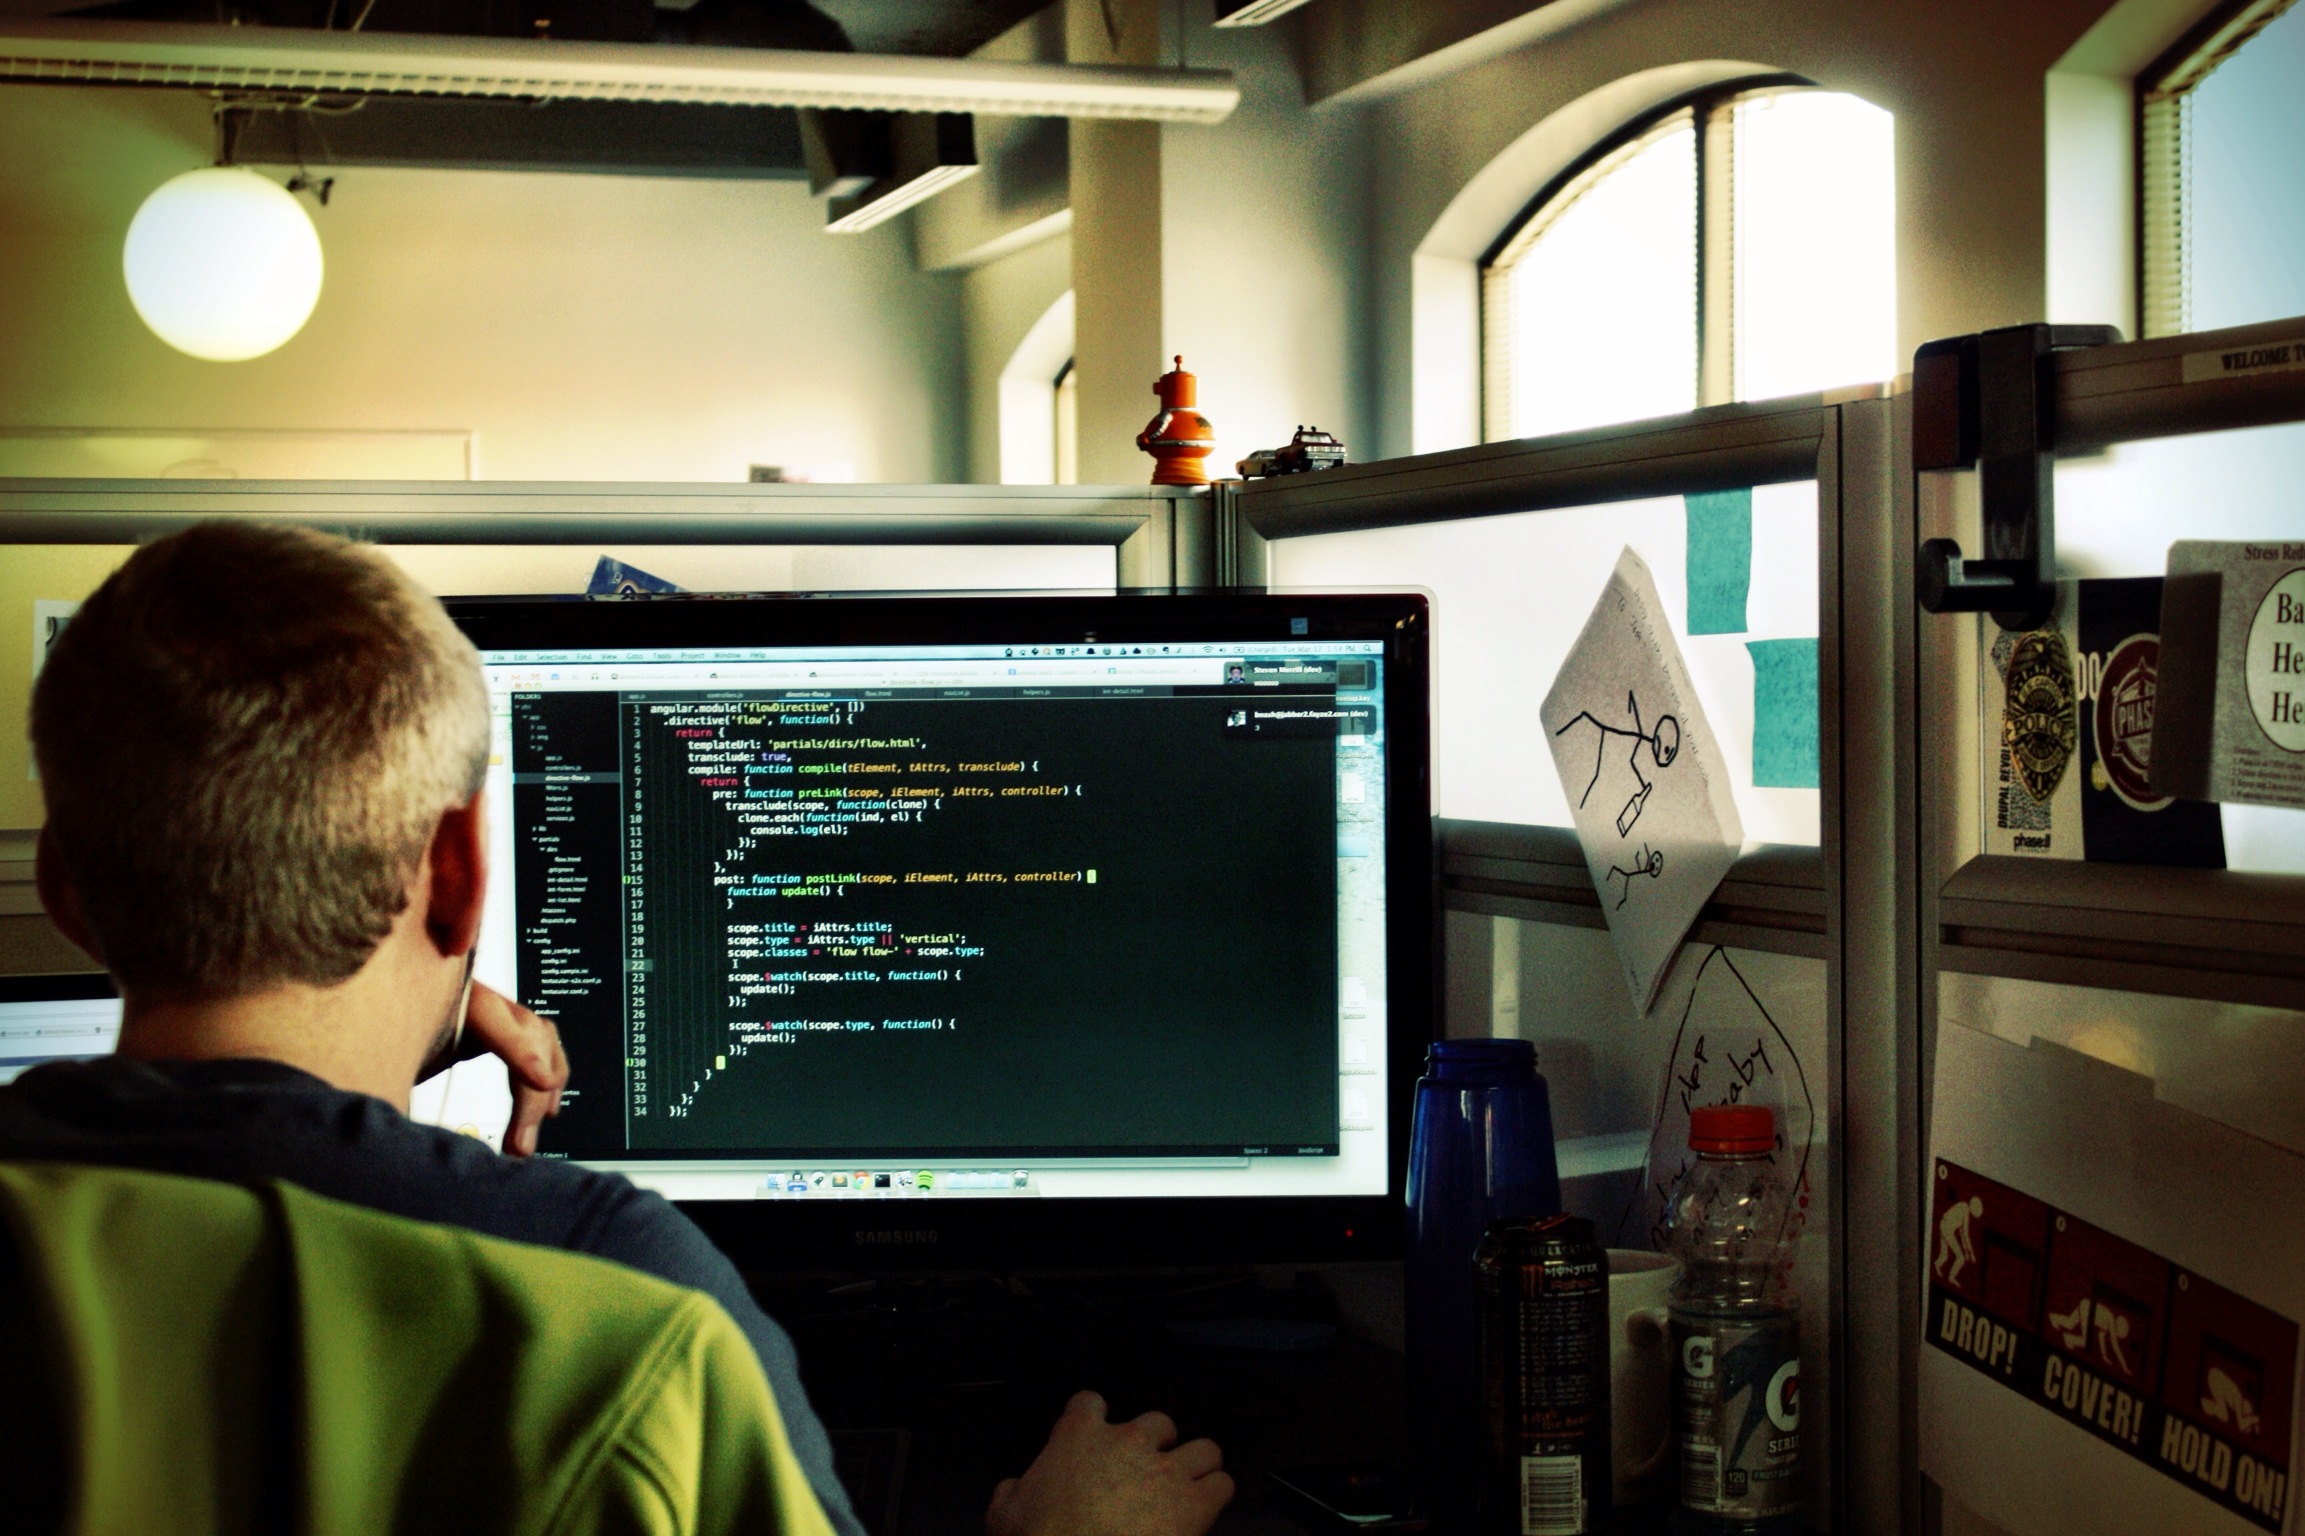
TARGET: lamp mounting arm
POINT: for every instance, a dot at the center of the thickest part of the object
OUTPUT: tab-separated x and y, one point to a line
1990	401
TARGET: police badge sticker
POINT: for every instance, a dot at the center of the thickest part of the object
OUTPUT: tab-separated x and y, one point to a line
2040	719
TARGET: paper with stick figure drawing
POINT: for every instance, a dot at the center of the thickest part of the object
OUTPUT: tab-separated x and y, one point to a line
1643	775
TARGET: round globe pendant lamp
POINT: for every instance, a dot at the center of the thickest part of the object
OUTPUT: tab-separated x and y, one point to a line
223	264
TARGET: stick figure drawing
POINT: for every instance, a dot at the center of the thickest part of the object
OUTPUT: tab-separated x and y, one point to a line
1663	741
1649	862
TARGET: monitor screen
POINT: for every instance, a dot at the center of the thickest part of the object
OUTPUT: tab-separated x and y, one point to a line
913	902
67	1016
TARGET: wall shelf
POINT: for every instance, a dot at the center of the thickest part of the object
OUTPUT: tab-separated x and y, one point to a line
2211	933
1719	448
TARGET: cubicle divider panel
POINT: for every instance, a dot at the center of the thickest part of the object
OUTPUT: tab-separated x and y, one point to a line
1868	560
2110	1022
1761	525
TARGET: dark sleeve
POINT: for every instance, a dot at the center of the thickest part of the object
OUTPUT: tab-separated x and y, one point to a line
644	1232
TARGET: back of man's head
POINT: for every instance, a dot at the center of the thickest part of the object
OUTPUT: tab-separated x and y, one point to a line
245	740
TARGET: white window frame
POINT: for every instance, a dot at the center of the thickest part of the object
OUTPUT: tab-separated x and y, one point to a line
1031	438
1711	110
2164	181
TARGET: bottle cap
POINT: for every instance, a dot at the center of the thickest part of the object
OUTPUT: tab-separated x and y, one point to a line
1733	1130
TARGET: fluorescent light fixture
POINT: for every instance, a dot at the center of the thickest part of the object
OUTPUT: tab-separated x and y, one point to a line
895	201
1252	13
305	60
919	155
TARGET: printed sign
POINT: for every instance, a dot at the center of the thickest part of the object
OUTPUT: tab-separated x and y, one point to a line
2232	725
2162	1364
2243	362
2276	664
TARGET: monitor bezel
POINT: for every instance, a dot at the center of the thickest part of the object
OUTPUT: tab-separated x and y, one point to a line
57	987
1075	1234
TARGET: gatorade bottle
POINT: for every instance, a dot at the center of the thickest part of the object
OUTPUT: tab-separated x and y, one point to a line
1735	1333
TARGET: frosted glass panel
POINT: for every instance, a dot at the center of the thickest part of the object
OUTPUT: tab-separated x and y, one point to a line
1509	596
478	570
2118	512
1815	266
2244	245
1604	304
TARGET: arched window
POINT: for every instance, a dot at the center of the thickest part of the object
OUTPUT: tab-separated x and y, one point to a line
1589	308
1734	245
1068	425
1038	439
2220	119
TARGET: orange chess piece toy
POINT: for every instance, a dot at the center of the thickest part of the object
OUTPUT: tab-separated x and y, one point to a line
1179	438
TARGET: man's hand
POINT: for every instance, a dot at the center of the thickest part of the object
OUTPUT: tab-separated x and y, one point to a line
1101	1479
530	1049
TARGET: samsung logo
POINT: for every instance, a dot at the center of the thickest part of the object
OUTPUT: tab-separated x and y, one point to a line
877	1237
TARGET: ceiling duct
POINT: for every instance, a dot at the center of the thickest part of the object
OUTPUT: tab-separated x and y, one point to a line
309	62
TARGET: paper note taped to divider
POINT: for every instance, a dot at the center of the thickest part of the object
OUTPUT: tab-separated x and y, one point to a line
1643	775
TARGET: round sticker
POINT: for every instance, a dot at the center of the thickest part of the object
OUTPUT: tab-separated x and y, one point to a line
2277	663
2123	721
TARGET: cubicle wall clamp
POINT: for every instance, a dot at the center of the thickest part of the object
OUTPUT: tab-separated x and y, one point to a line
1990	400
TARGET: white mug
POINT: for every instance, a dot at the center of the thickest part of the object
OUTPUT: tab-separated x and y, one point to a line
1640	1357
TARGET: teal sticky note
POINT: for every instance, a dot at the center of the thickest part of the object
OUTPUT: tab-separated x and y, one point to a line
1720	560
1784	713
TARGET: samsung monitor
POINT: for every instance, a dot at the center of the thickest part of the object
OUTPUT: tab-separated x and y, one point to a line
965	931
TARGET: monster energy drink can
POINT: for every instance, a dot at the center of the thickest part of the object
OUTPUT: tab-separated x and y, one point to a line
1544	1325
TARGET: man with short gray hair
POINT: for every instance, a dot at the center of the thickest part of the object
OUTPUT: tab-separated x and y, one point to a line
262	751
304	777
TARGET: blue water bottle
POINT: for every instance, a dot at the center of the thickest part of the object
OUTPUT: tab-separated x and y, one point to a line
1481	1149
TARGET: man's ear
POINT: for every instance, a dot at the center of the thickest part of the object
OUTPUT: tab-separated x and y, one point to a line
60	898
457	862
